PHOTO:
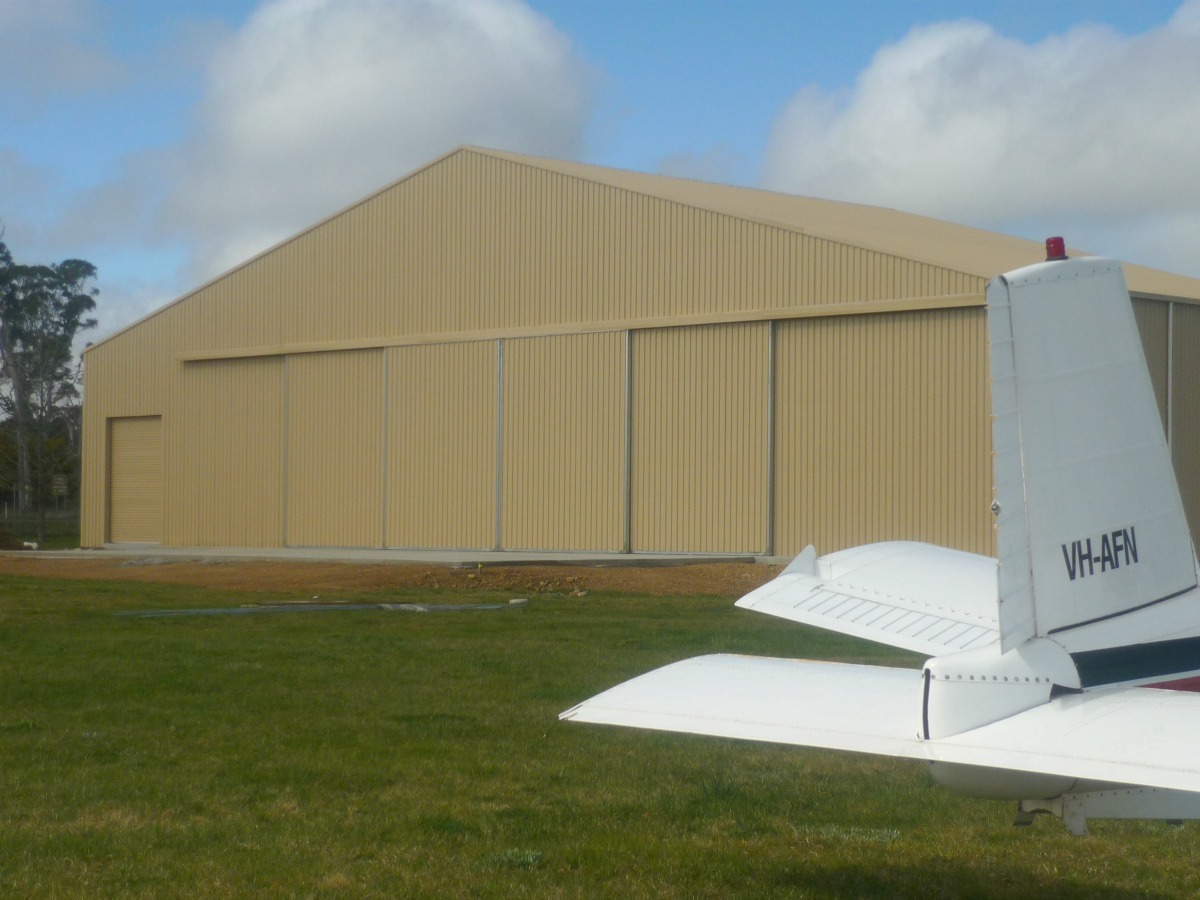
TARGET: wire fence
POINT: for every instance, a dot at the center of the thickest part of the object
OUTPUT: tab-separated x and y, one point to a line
20	527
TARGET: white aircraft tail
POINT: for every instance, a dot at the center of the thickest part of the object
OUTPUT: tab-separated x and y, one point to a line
1033	692
1090	521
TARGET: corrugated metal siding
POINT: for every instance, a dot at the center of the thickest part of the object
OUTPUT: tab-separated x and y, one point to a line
478	242
472	243
335	418
249	304
132	375
94	494
441	440
1185	412
901	234
135	479
225	455
547	248
882	431
126	378
1151	318
699	480
564	442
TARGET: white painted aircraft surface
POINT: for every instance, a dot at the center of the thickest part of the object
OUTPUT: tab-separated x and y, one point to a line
1045	683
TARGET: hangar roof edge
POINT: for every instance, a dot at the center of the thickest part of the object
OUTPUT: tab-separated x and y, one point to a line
961	248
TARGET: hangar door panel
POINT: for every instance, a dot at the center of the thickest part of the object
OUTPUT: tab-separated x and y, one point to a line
335	449
699	439
564	442
225	484
882	431
135	479
441	440
1185	412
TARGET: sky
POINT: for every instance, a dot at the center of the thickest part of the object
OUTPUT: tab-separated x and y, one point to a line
166	141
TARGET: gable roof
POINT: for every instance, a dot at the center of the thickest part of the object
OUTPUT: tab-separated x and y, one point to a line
908	235
958	248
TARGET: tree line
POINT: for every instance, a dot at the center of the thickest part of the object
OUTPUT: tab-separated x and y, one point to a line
43	308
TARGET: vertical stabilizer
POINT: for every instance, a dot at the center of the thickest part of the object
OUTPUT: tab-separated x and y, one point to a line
1015	570
1090	522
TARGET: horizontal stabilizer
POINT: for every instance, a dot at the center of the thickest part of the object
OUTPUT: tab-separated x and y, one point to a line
1140	736
1132	736
789	701
917	596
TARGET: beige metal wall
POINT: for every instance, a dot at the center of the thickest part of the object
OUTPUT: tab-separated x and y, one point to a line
879	423
564	442
335	416
1185	412
441	445
123	379
477	243
882	431
699	442
468	247
393	439
225	459
135	479
1152	319
1171	339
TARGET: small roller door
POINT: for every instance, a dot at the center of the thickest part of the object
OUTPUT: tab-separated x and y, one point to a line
135	480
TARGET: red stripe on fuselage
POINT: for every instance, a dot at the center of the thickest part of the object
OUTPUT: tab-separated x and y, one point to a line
1180	684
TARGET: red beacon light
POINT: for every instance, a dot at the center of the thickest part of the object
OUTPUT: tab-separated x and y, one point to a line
1056	249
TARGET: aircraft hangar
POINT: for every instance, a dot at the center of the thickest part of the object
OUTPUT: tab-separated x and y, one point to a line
504	352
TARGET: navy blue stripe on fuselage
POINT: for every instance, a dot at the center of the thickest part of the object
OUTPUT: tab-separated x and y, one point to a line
1137	662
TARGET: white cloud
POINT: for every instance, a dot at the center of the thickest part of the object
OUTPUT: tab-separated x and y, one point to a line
1091	128
48	47
125	300
31	197
314	103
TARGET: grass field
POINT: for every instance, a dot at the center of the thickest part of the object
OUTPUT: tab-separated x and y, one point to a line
393	754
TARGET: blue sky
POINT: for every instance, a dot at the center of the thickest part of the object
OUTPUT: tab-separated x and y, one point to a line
166	140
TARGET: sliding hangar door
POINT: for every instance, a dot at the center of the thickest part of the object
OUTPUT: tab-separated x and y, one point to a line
734	438
750	437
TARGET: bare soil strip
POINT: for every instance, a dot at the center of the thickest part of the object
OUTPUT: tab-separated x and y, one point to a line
721	579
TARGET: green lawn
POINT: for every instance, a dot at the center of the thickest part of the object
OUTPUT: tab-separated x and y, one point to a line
374	753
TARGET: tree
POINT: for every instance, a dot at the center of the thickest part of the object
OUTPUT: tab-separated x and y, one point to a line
42	309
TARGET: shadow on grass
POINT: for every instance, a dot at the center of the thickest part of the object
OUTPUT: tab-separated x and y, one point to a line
944	879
